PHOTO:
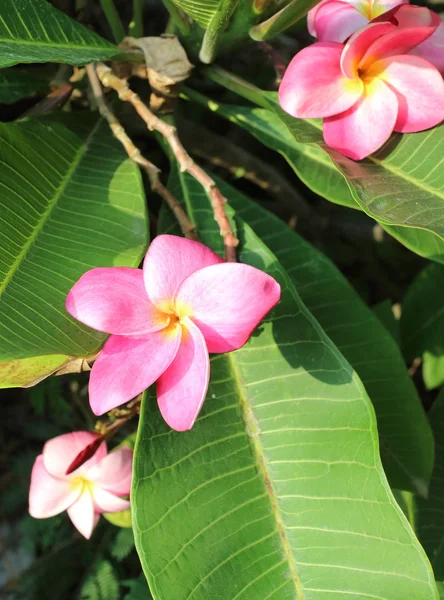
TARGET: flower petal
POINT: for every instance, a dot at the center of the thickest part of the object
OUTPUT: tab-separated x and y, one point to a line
59	452
128	365
169	260
367	126
182	389
114	472
379	7
415	25
336	21
82	514
357	46
314	86
106	502
48	495
114	300
227	302
419	89
433	49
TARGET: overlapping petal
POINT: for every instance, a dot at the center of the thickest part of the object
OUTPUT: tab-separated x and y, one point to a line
169	260
128	365
413	80
83	515
365	127
59	453
357	45
228	301
114	472
433	49
105	501
314	85
48	495
114	300
182	388
336	21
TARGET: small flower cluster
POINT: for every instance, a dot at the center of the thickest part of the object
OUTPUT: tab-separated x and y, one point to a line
377	68
163	322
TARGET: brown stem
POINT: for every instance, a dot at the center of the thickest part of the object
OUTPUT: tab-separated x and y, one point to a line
186	163
187	227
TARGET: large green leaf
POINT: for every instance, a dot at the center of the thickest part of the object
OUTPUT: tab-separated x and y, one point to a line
405	435
278	491
71	200
34	31
429	515
422	323
307	157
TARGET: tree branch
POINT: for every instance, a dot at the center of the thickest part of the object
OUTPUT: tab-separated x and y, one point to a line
186	163
187	227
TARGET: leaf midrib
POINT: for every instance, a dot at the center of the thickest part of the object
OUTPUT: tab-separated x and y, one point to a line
47	213
258	453
55	44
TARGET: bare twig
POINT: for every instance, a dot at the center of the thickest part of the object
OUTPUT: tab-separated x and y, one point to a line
186	163
187	227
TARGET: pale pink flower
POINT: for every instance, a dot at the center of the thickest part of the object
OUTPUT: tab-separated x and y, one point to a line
88	491
337	20
165	320
368	87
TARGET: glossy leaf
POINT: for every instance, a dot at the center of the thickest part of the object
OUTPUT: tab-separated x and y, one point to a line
34	31
71	200
311	163
406	440
278	490
429	513
15	85
422	324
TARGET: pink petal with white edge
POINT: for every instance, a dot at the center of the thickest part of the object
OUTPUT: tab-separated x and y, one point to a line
169	260
228	302
419	89
314	86
336	21
311	17
433	49
182	389
416	24
106	502
127	366
358	44
114	472
83	515
114	300
48	495
59	453
367	126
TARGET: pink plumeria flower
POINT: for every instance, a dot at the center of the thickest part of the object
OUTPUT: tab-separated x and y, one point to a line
337	20
165	320
432	49
368	87
88	491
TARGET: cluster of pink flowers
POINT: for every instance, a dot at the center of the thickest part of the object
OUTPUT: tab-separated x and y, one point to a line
377	68
163	322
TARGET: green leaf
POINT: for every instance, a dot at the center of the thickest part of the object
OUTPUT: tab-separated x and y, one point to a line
290	14
406	439
278	491
34	31
20	373
201	11
119	519
71	201
15	85
138	589
385	313
422	324
429	515
280	132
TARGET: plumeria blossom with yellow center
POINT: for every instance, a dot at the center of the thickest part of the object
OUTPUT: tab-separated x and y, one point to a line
370	86
93	488
187	302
